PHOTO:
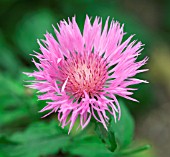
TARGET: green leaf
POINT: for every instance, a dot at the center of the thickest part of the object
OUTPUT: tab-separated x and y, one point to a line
16	105
112	141
5	140
89	146
120	134
31	28
124	128
39	139
107	137
132	151
5	144
9	61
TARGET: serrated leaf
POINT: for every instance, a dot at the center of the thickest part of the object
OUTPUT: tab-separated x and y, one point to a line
39	139
89	146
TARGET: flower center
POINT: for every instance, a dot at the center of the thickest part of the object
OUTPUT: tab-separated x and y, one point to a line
85	74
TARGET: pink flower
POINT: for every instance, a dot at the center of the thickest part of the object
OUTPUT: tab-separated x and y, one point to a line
80	74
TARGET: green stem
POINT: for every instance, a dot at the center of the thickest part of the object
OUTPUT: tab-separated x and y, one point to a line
134	151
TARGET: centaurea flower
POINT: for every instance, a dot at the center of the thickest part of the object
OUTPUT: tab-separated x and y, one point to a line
80	74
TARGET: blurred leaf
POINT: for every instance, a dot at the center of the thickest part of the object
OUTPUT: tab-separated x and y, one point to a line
5	140
124	128
31	28
37	131
89	146
5	144
9	61
120	134
130	152
9	85
16	103
39	139
107	137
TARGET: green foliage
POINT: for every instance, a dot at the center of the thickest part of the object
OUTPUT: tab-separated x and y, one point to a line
42	138
32	27
89	146
16	103
119	134
39	139
124	128
107	137
7	56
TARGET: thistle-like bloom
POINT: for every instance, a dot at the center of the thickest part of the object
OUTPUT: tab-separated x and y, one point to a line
80	74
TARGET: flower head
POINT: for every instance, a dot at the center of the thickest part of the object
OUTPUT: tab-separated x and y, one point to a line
80	74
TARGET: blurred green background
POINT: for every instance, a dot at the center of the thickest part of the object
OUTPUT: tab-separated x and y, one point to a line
23	21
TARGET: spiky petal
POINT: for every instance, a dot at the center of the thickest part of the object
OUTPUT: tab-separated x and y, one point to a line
79	72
